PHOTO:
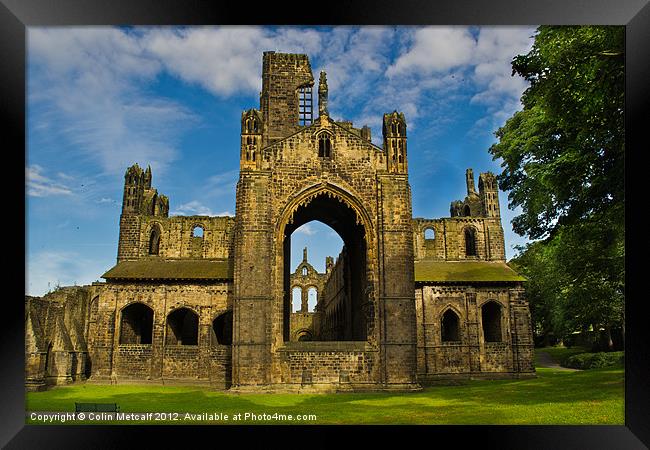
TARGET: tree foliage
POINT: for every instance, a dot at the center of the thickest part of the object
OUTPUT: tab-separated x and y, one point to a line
563	164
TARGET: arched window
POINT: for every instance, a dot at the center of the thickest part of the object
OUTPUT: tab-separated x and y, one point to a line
49	361
93	309
312	299
466	211
449	327
491	319
324	145
304	271
154	240
304	335
182	327
429	234
197	231
296	299
136	324
470	242
222	328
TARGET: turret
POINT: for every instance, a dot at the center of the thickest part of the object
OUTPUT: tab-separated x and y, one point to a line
251	139
394	131
472	205
329	263
147	178
366	133
488	189
134	186
469	179
140	199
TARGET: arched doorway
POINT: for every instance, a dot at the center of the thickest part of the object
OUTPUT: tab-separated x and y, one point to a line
182	327
49	361
222	329
345	304
136	325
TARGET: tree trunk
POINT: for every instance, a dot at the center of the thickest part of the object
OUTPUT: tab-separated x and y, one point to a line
608	333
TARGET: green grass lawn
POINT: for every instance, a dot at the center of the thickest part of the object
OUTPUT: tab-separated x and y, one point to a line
554	397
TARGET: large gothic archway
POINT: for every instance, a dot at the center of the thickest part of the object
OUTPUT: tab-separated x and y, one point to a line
345	304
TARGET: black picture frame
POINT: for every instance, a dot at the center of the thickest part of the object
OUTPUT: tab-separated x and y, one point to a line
16	15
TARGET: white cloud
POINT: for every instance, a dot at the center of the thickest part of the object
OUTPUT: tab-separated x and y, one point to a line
84	85
47	269
440	62
38	185
193	208
435	49
224	60
196	208
306	229
495	49
221	184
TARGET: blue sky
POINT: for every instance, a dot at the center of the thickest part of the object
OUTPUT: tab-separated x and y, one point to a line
103	98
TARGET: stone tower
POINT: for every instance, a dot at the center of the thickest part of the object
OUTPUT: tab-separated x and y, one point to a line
318	169
394	131
251	139
488	190
139	200
286	100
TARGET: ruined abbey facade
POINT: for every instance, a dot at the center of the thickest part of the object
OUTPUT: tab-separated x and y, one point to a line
208	300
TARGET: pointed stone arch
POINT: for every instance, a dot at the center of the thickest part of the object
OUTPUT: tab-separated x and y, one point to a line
334	206
155	233
450	325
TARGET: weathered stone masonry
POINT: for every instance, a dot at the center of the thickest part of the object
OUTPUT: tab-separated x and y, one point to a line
207	300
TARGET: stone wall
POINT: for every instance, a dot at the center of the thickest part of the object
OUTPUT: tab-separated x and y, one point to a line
449	242
56	348
471	356
177	241
313	363
160	360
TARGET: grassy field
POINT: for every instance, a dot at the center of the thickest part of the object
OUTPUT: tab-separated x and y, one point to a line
554	397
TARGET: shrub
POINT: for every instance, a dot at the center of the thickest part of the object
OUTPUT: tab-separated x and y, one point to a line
598	360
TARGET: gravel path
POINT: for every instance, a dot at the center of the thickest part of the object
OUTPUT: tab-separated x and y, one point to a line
545	360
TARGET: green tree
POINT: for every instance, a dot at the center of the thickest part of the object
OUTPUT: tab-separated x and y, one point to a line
563	164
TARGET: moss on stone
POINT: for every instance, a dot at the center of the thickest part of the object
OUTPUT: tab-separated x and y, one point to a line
170	269
460	271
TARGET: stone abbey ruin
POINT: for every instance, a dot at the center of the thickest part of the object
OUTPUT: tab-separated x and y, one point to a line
208	300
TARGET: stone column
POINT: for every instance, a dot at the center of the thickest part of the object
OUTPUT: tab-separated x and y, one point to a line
253	288
397	285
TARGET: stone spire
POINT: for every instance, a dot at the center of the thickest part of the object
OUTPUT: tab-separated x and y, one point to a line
147	178
469	178
304	254
322	95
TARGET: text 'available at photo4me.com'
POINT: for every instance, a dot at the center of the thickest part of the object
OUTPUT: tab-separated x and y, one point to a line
63	417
